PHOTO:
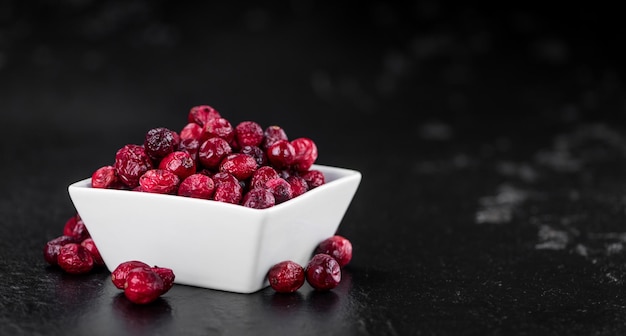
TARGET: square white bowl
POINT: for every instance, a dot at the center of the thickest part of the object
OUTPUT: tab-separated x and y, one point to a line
213	244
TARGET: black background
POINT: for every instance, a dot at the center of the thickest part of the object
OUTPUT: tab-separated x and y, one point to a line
490	139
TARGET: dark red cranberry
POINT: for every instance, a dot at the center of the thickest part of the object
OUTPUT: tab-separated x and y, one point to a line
131	161
73	258
323	272
106	178
143	285
286	276
167	275
281	154
257	153
239	165
212	151
191	147
285	173
337	247
179	163
258	199
271	135
197	186
261	176
93	249
306	153
249	133
160	141
52	248
201	114
159	181
228	192
191	131
298	185
224	177
118	276
219	128
314	178
280	188
75	227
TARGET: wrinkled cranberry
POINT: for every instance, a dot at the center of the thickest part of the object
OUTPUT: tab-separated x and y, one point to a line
337	247
167	275
228	192
191	131
222	177
323	272
249	133
106	178
261	176
286	276
131	161
298	185
258	199
197	186
73	258
280	188
212	151
159	181
52	248
191	147
118	276
314	178
239	165
75	227
95	253
179	163
201	114
271	135
219	128
257	153
281	154
143	285
160	141
306	153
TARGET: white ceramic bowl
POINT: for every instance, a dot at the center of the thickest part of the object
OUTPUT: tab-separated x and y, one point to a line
213	244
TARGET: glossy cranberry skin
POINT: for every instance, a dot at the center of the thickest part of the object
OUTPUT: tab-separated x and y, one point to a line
160	141
258	199
75	227
280	188
52	248
306	153
119	274
261	176
167	276
143	286
323	272
191	147
73	258
249	133
93	250
159	181
298	185
191	131
131	161
281	154
239	165
219	128
314	178
212	151
337	247
286	276
271	135
106	178
228	192
197	186
201	114
180	163
223	177
257	153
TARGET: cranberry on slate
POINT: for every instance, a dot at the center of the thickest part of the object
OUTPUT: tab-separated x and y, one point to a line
314	178
93	250
257	153
201	114
159	181
73	258
219	128
306	153
286	276
52	248
212	151
191	131
228	192
323	272
272	135
258	199
281	154
179	163
75	227
191	147
131	161
106	178
337	247
197	186
280	188
298	185
160	141
167	275
261	176
239	165
118	276
249	133
143	285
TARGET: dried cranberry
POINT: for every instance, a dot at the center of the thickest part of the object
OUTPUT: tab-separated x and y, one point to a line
228	192
75	259
249	133
191	147
191	131
75	227
52	248
167	275
201	114
337	247
239	165
261	176
286	276
95	253
159	181
271	135
298	185
212	151
281	154
280	188
257	153
306	153
118	276
106	178
160	141
314	178
219	128
143	285
179	163
197	186
258	199
222	177
131	161
323	272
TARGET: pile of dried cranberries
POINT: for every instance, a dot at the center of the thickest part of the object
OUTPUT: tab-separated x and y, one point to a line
212	159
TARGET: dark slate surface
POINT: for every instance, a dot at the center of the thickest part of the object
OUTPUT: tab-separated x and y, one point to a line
491	142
